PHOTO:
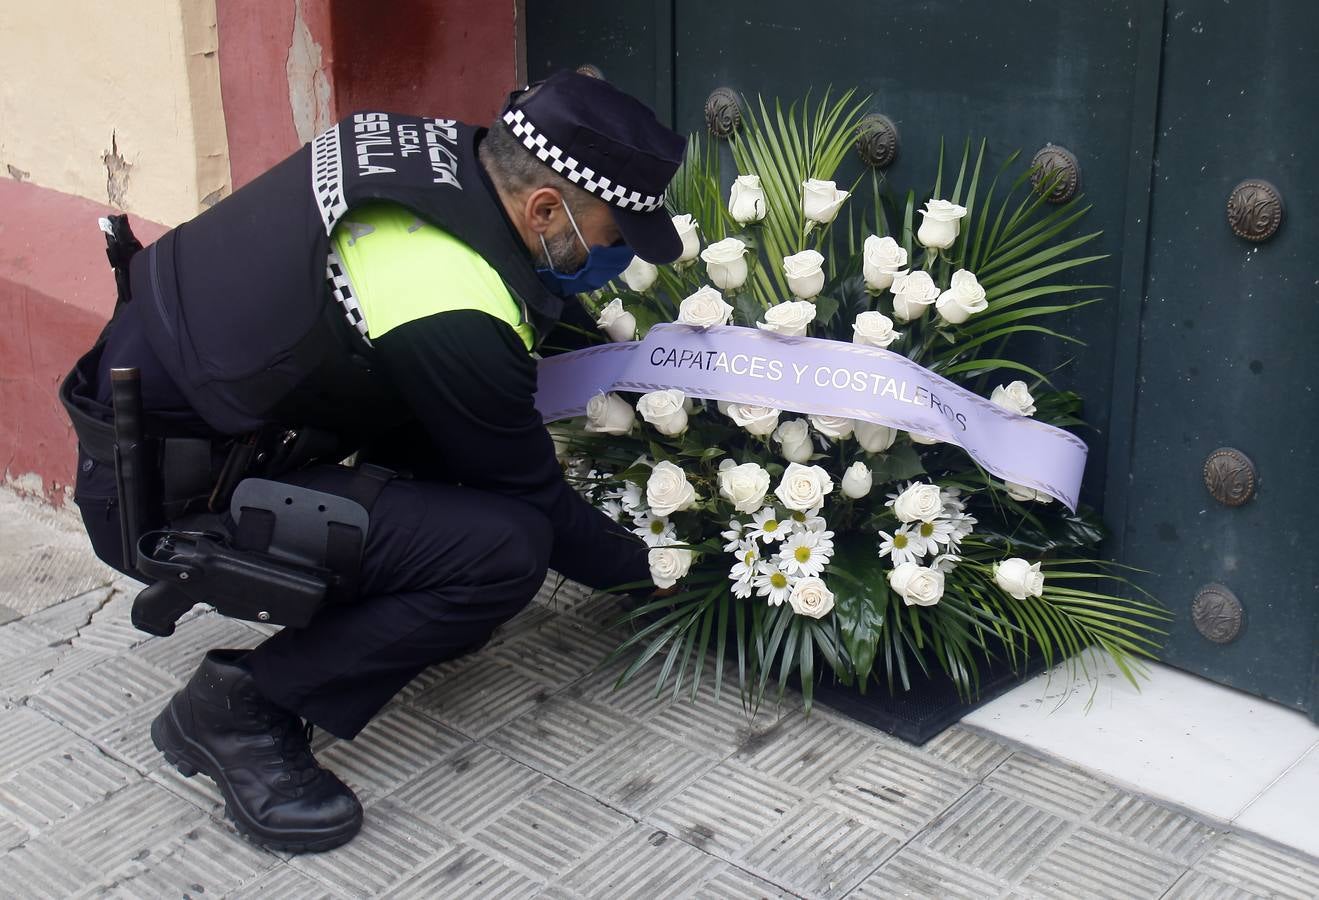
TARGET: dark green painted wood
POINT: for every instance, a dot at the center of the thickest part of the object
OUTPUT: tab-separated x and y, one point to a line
1163	129
1225	356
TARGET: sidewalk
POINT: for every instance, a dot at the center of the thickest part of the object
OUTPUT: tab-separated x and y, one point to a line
518	772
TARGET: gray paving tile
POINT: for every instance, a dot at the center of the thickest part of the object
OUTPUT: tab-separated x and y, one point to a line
718	725
639	771
970	751
468	873
1050	785
995	834
1199	886
805	751
106	691
557	651
57	785
392	845
644	862
469	789
728	809
109	629
205	861
129	737
8	614
1157	828
44	870
549	831
198	790
896	790
488	695
1092	863
43	576
731	883
18	639
397	745
284	883
27	735
916	871
181	653
556	736
1260	868
63	619
819	852
137	821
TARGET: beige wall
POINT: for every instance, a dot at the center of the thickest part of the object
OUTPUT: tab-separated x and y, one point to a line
116	101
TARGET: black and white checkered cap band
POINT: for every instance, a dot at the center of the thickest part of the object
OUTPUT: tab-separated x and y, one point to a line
581	175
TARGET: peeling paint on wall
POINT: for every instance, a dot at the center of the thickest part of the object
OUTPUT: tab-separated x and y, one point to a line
18	174
309	88
117	170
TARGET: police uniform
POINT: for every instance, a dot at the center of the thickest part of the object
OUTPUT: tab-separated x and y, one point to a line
371	287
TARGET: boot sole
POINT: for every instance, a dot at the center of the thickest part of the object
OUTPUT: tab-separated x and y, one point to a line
188	758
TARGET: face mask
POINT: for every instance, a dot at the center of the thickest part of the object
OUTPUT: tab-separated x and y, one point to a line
603	265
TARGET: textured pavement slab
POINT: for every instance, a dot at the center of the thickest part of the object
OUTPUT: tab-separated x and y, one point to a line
520	772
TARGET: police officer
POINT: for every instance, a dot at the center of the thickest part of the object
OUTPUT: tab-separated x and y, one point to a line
387	285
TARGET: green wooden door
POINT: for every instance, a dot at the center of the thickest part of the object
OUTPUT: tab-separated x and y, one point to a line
1222	355
1114	81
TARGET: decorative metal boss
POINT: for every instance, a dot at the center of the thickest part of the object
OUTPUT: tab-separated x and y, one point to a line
877	141
1230	476
1254	210
723	112
1217	613
1057	166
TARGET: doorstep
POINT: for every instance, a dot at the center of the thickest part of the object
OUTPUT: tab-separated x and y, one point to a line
1180	739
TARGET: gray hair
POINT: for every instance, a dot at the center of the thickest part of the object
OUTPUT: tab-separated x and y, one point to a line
517	171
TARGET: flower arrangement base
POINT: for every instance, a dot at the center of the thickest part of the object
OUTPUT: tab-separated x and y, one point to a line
929	707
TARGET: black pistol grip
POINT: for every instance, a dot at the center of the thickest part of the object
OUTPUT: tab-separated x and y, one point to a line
158	607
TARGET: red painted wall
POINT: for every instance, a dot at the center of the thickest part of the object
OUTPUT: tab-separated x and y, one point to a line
456	59
56	292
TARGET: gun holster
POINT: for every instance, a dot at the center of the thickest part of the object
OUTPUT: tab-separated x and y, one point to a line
293	549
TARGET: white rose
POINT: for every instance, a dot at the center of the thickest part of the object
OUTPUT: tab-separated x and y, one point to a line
882	258
790	318
640	275
821	200
1024	494
794	436
1019	578
1014	397
940	224
919	503
805	273
923	439
668	565
758	420
912	295
746	201
833	427
810	597
691	242
726	263
706	307
874	438
917	585
874	329
963	299
665	410
609	414
857	480
744	486
803	487
617	322
667	490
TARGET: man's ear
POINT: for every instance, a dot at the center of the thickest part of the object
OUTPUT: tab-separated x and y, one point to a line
540	209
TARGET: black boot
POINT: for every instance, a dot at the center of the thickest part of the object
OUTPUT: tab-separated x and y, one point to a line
259	755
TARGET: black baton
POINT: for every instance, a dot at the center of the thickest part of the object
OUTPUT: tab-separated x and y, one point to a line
129	458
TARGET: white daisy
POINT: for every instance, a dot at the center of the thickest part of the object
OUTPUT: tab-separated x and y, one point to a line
963	525
805	553
898	547
612	508
733	536
656	531
744	570
768	527
938	533
945	562
629	496
772	583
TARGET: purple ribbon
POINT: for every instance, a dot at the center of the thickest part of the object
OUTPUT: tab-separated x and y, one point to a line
818	377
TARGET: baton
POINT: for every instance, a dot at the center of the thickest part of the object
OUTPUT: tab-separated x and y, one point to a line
129	458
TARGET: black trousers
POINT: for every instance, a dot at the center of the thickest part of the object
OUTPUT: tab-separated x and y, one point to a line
442	567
